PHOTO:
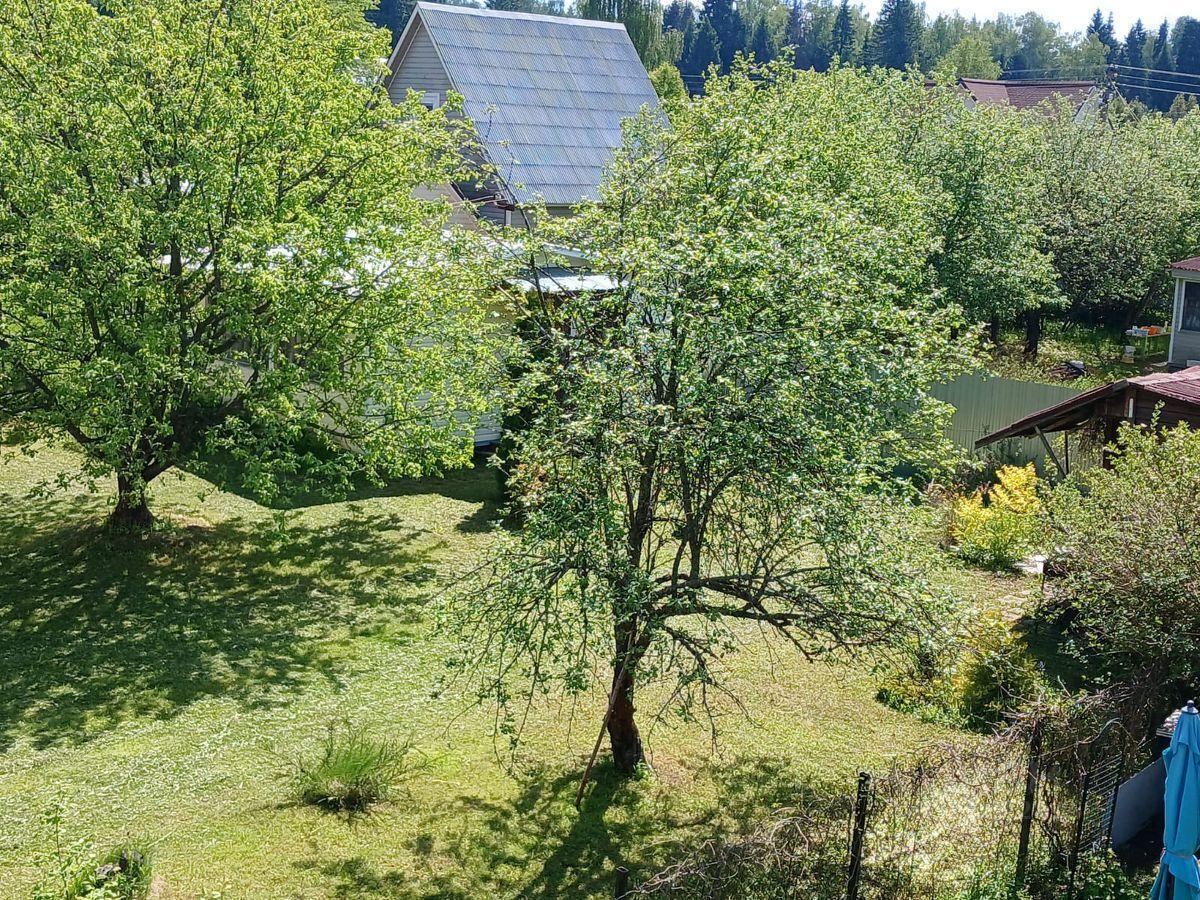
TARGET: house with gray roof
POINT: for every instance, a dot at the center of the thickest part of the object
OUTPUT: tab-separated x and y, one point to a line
547	96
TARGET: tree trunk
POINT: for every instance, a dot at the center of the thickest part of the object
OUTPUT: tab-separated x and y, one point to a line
622	729
1033	331
994	330
131	512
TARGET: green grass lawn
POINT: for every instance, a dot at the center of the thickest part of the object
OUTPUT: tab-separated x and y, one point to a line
157	686
1099	349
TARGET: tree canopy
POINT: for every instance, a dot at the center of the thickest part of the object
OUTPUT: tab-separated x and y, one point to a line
710	446
210	244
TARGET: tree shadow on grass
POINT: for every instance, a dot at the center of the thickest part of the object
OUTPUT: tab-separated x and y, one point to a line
477	484
536	846
96	628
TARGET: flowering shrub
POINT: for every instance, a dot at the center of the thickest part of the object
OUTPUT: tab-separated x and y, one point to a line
998	526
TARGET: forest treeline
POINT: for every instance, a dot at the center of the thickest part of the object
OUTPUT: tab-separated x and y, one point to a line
1155	64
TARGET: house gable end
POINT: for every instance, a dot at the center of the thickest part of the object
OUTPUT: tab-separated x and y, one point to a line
416	65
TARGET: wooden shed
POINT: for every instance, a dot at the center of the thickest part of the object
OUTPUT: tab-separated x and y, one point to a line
1164	399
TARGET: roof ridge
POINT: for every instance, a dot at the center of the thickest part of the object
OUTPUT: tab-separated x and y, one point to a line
510	14
1027	81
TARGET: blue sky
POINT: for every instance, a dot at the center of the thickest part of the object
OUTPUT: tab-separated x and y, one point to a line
1072	15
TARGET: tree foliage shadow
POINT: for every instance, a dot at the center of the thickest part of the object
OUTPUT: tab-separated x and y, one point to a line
96	628
535	846
478	484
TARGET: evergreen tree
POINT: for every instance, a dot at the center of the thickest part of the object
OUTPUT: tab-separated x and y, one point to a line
1133	54
505	5
701	49
727	23
1162	49
679	16
844	41
762	46
1103	30
391	14
795	35
1187	45
897	35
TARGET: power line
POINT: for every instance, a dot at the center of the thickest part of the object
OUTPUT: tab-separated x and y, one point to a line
1053	69
1174	92
1159	80
1157	71
1161	85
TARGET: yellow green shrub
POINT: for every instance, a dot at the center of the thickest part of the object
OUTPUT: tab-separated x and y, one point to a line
997	526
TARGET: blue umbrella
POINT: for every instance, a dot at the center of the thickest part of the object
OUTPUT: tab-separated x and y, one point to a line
1181	812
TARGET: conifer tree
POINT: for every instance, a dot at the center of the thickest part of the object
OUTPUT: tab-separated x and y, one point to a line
845	44
897	35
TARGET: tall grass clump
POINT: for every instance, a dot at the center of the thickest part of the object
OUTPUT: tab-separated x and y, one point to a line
351	770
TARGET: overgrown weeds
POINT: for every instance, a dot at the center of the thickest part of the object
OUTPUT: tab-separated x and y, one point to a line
79	870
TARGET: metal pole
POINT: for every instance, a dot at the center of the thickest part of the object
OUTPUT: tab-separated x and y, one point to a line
1073	859
861	799
621	887
1032	775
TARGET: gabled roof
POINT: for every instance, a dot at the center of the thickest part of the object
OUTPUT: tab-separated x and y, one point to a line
1187	265
1183	386
1027	94
547	94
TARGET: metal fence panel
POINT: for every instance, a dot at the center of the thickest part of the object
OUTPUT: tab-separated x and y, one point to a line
982	404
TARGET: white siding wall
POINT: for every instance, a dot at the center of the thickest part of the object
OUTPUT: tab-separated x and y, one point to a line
418	67
1185	345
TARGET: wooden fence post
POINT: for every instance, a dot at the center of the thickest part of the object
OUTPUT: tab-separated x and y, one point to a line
1032	775
861	800
621	885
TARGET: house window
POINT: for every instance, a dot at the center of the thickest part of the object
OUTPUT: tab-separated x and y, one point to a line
1190	319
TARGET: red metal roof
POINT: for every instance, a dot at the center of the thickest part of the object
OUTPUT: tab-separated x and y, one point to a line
1183	385
1188	265
1027	94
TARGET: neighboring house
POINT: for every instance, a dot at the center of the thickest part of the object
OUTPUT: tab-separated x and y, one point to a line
547	96
1185	320
1083	96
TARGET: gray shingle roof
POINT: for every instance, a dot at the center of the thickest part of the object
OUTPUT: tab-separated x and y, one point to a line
547	94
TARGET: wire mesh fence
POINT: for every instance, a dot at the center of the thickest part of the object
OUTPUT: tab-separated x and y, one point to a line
963	821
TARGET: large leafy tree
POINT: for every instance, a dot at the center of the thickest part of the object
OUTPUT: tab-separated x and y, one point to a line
984	160
209	241
1123	201
643	20
714	442
971	57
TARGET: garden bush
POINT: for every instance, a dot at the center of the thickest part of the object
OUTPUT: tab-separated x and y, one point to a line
997	672
1128	541
972	678
351	771
998	526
